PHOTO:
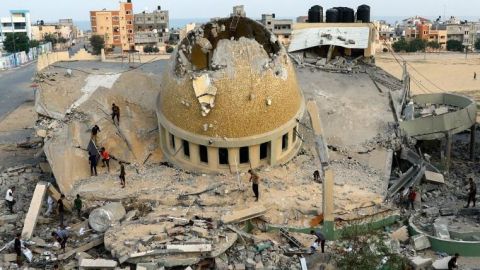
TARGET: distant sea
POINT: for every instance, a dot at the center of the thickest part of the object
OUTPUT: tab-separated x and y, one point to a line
179	23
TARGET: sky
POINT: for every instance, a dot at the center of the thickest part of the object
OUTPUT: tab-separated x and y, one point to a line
52	10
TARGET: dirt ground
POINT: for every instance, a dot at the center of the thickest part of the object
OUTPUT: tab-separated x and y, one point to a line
439	72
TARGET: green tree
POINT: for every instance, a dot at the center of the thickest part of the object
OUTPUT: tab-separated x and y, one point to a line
16	42
148	49
455	46
400	46
50	38
433	45
416	45
98	43
62	40
34	43
477	44
169	49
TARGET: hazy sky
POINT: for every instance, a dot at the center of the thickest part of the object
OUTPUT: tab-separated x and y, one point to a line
51	10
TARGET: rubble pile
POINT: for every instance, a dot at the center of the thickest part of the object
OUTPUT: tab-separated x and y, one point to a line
338	64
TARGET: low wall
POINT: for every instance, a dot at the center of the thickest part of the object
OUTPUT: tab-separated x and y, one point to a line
21	58
48	59
464	248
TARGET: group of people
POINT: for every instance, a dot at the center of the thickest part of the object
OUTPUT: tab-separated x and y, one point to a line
406	198
93	158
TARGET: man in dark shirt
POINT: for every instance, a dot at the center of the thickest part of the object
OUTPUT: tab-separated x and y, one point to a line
92	159
254	179
77	205
61	209
95	131
115	113
122	174
453	262
17	246
472	192
412	195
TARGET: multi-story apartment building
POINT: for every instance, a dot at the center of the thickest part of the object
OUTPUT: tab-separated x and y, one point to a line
17	22
59	30
281	28
116	26
151	27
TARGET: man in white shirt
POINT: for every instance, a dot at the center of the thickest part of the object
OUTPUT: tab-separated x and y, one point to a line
50	203
9	199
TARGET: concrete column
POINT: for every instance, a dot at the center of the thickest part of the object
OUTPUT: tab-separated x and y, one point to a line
328	203
254	155
102	55
448	151
194	153
275	150
234	158
178	145
473	134
290	140
212	157
163	138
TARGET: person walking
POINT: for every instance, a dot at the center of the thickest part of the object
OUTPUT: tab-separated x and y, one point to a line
61	210
61	236
115	113
320	239
92	159
9	199
17	246
412	195
316	176
77	205
122	175
255	180
452	263
50	203
474	75
472	192
95	131
105	158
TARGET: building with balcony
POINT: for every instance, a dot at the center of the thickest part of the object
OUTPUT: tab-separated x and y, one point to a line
17	22
151	28
116	26
281	28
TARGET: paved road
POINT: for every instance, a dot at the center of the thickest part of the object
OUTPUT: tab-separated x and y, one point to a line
15	88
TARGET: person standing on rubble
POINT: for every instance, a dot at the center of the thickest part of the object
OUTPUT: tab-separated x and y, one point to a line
95	131
61	236
9	199
320	239
50	203
92	159
17	246
255	180
122	174
105	158
115	113
412	195
452	263
77	205
316	176
472	192
61	209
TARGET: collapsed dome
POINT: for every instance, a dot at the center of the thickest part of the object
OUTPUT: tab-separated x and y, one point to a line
230	86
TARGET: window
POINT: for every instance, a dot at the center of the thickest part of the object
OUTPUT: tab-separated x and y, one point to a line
264	150
285	142
128	12
203	154
172	141
244	158
129	22
294	134
186	148
223	156
149	19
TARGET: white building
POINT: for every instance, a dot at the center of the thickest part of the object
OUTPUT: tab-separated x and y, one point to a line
17	22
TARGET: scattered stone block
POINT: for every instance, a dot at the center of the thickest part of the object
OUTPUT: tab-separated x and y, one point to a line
147	266
401	234
220	264
160	237
97	263
175	231
434	177
190	248
201	232
447	212
431	212
420	242
420	263
441	264
244	214
9	257
8	219
239	266
441	230
41	133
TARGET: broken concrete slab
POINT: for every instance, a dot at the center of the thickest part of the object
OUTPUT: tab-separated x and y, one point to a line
401	234
441	264
244	214
434	177
55	194
189	248
95	242
34	210
147	266
420	263
440	228
420	242
96	263
8	219
9	257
